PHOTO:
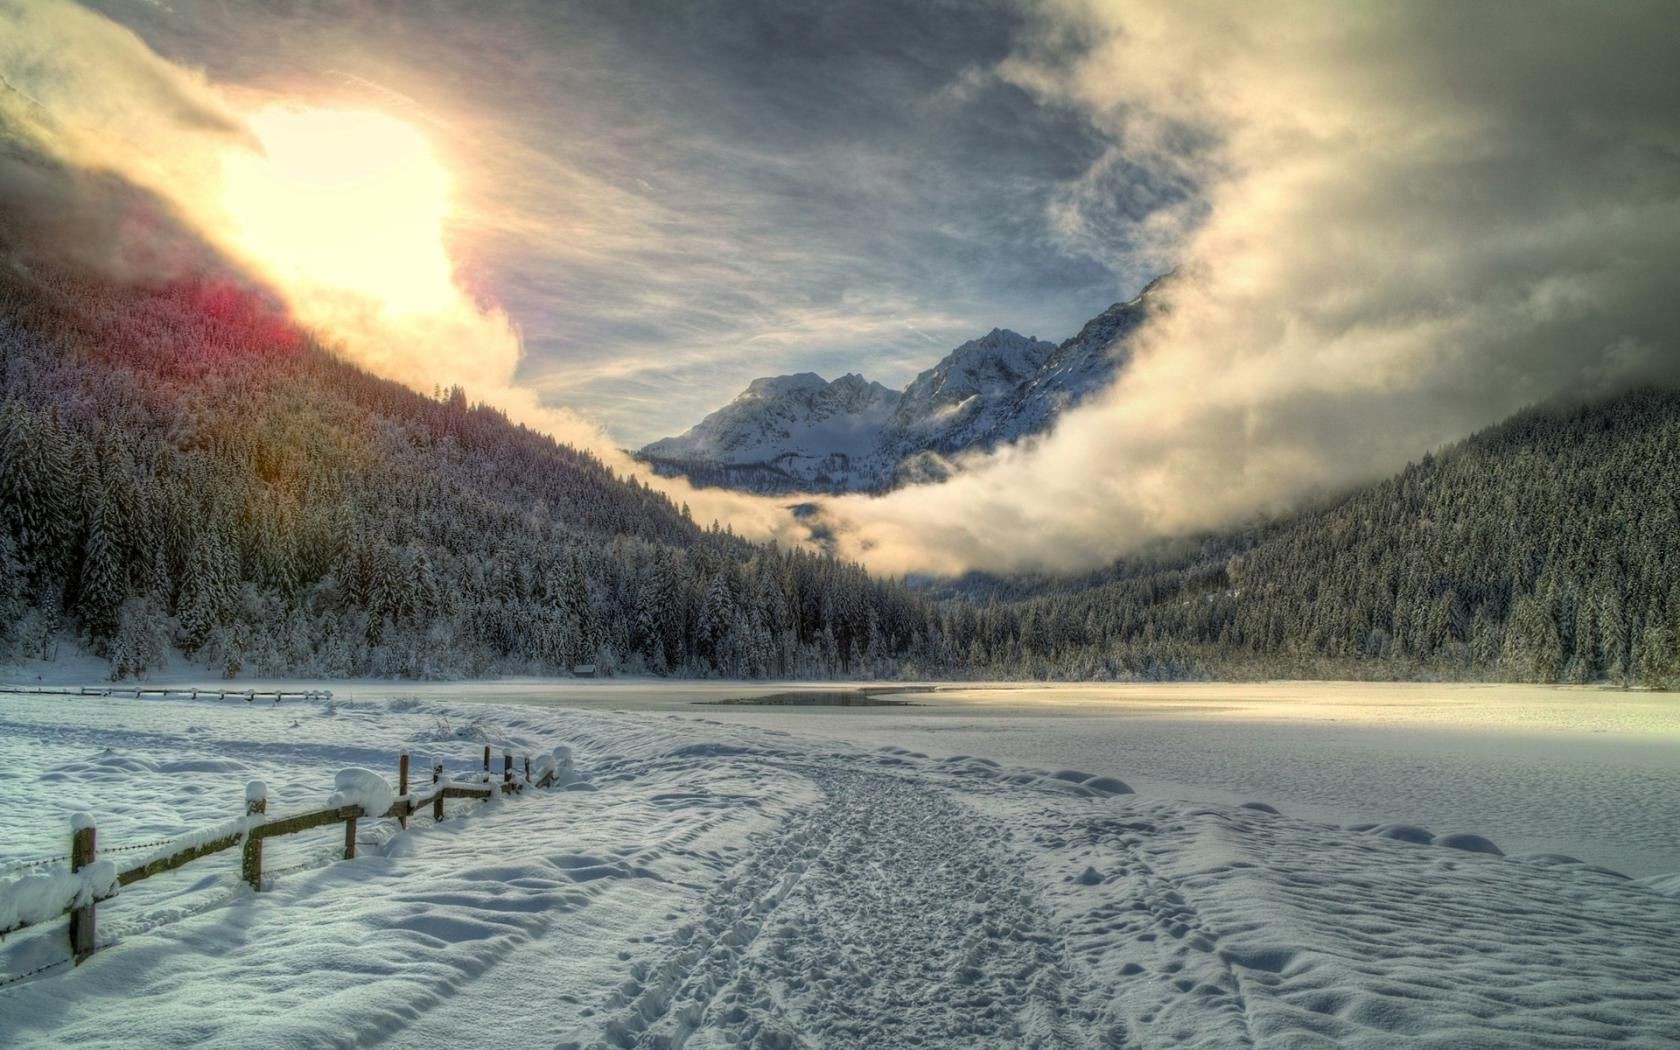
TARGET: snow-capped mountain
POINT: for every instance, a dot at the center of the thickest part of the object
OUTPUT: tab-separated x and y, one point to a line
801	433
787	433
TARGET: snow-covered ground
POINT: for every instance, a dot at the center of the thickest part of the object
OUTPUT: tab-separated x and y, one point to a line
722	876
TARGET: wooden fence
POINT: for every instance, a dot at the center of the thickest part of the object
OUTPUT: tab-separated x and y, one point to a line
247	695
90	885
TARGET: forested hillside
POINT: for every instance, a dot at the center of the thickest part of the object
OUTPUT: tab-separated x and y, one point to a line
179	466
1544	549
184	471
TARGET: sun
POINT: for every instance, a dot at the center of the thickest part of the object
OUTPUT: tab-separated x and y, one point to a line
346	201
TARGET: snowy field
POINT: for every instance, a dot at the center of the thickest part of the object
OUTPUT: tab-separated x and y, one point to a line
972	872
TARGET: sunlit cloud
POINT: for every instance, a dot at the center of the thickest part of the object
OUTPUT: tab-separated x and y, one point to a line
1392	225
343	199
1409	221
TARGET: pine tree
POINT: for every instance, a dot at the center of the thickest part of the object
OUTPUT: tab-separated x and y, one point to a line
103	585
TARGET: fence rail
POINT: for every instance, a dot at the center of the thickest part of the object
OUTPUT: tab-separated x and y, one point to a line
247	695
91	882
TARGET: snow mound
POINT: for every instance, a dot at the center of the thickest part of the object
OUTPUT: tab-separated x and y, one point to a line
1469	843
364	788
1564	860
1548	860
38	898
106	767
1108	786
1404	833
1260	807
203	765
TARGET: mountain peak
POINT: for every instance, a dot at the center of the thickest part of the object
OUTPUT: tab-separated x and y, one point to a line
780	386
802	433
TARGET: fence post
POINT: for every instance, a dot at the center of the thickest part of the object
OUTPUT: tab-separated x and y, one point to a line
527	769
507	769
82	839
487	762
350	838
256	805
437	803
402	789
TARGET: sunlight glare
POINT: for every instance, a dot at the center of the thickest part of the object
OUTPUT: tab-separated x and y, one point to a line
344	199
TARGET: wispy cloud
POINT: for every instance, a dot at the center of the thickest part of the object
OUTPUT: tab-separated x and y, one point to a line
756	184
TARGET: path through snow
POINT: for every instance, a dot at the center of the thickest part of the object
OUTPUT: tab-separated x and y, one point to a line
712	885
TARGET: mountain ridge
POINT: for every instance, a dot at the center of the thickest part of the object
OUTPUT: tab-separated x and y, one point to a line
802	433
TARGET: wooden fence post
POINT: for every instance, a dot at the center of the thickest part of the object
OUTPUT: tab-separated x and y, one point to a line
487	760
82	839
402	789
350	838
507	769
527	769
437	802
256	805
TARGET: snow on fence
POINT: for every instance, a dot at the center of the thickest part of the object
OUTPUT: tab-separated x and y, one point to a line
247	695
362	794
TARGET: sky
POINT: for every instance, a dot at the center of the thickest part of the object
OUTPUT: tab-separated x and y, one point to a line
672	199
1393	224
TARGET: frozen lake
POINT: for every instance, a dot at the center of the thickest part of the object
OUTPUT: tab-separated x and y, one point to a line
1585	771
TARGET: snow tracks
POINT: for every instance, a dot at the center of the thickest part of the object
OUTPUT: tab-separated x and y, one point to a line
887	914
908	902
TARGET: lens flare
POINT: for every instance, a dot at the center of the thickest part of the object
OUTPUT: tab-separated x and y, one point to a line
346	200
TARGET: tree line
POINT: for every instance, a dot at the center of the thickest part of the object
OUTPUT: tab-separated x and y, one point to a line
1545	549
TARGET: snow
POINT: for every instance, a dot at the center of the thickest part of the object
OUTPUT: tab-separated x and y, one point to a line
774	877
38	898
855	435
364	788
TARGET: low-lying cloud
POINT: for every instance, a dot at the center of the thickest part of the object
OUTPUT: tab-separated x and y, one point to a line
1410	221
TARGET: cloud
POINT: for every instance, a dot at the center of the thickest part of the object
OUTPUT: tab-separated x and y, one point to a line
688	189
1407	221
82	99
1393	223
86	105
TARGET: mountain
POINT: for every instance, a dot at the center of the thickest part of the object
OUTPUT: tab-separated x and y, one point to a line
186	474
797	426
800	433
